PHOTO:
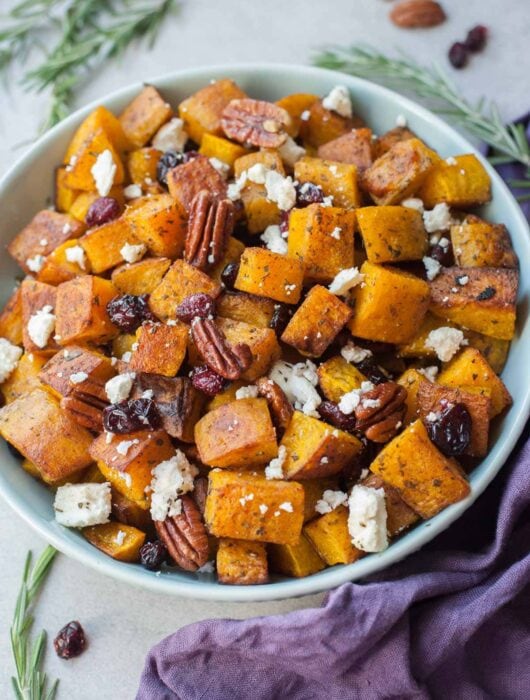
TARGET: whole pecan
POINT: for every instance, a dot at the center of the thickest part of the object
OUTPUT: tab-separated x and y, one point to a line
280	408
255	122
228	361
381	411
210	224
185	536
417	13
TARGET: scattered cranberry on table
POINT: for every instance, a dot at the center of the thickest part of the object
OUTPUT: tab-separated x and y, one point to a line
70	641
474	42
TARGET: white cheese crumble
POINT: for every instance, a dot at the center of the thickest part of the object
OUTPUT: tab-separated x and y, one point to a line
76	255
336	233
346	280
451	160
353	353
78	377
298	382
82	505
438	219
247	392
41	325
330	500
9	356
36	263
280	189
171	479
462	280
263	508
349	401
246	499
132	191
445	342
413	203
171	136
274	470
429	372
119	387
306	115
222	168
207	568
367	519
132	253
432	267
104	171
273	239
401	120
290	152
339	101
148	394
124	446
257	173
287	507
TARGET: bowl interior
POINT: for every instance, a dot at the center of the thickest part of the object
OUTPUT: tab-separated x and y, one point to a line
27	188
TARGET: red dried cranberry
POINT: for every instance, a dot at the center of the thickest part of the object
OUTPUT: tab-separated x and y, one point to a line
451	431
102	211
442	253
308	193
229	275
206	380
476	38
133	414
458	55
331	413
196	306
170	160
153	555
70	641
281	316
284	222
129	311
374	372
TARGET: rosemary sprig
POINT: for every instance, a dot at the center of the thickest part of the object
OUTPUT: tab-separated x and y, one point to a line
31	682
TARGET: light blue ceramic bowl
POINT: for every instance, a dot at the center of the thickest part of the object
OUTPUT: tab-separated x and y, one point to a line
27	188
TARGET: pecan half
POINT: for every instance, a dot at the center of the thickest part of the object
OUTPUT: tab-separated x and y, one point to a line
228	361
279	406
86	402
255	122
417	13
185	536
381	420
210	224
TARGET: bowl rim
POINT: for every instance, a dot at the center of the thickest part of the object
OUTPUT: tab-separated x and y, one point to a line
334	576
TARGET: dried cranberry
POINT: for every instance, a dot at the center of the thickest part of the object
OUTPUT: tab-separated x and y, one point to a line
70	641
331	413
476	38
458	55
284	222
442	253
374	372
133	414
206	380
196	305
308	193
170	160
129	311
102	211
451	431
153	555
281	316
229	275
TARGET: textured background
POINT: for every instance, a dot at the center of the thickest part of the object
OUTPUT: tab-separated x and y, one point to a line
121	622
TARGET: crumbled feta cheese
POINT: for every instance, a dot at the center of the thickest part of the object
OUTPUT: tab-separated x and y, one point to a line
132	191
76	255
287	507
171	136
432	267
222	168
118	388
443	242
9	356
71	164
234	188
44	241
245	499
257	173
82	505
274	470
462	280
109	437
247	392
104	171
432	417
438	219
353	353
171	479
413	203
445	342
207	568
125	445
401	120
263	508
290	152
330	500
120	538
327	201
339	101
78	377
298	382
306	115
336	233
451	160
367	519
280	189
41	326
349	401
272	237
429	372
132	253
148	394
346	280
126	357
35	263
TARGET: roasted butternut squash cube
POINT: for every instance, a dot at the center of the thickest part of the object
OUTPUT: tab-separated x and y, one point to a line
36	296
119	541
84	201
233	251
79	174
295	105
144	116
241	563
463	182
269	274
103	244
128	512
399	173
392	234
99	119
416	347
478	243
75	360
238	435
226	151
141	277
389	306
317	322
128	460
159	348
261	341
354	147
123	343
470	369
58	268
227	395
161	223
411	379
238	306
399	516
296	560
63	196
202	110
141	165
38	428
81	310
260	211
11	323
315	449
24	378
322	125
494	350
331	539
425	479
337	180
190	178
385	142
180	281
337	377
486	303
247	506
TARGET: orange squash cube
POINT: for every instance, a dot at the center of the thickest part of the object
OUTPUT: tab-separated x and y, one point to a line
259	210
226	151
338	180
337	377
261	341
241	563
411	379
238	306
463	183
269	274
57	268
119	541
35	296
355	147
24	378
295	105
84	201
55	375
232	253
144	116
399	516
79	169
477	243
298	560
141	277
392	234
159	222
330	537
11	323
159	349
101	119
180	282
63	196
141	165
103	244
81	310
323	125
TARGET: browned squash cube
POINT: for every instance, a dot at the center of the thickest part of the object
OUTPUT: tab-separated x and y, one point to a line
141	277
269	274
485	303
385	142
315	449
227	395
354	147
24	378
323	125
249	308
35	296
35	424
81	310
190	178
411	379
101	119
119	541
425	479
241	563
389	306
11	323
494	350
262	342
399	173
75	360
222	149
322	238
337	180
142	164
159	349
392	234
62	265
478	243
399	516
247	506
144	116
161	223
180	282
316	322
126	511
259	210
79	174
330	537
239	434
462	182
297	560
337	377
295	105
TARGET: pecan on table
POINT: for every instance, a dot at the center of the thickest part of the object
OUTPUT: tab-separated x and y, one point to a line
86	402
210	224
255	122
417	13
228	361
381	411
279	405
185	536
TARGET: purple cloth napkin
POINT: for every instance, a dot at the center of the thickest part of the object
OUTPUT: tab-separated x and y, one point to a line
452	621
